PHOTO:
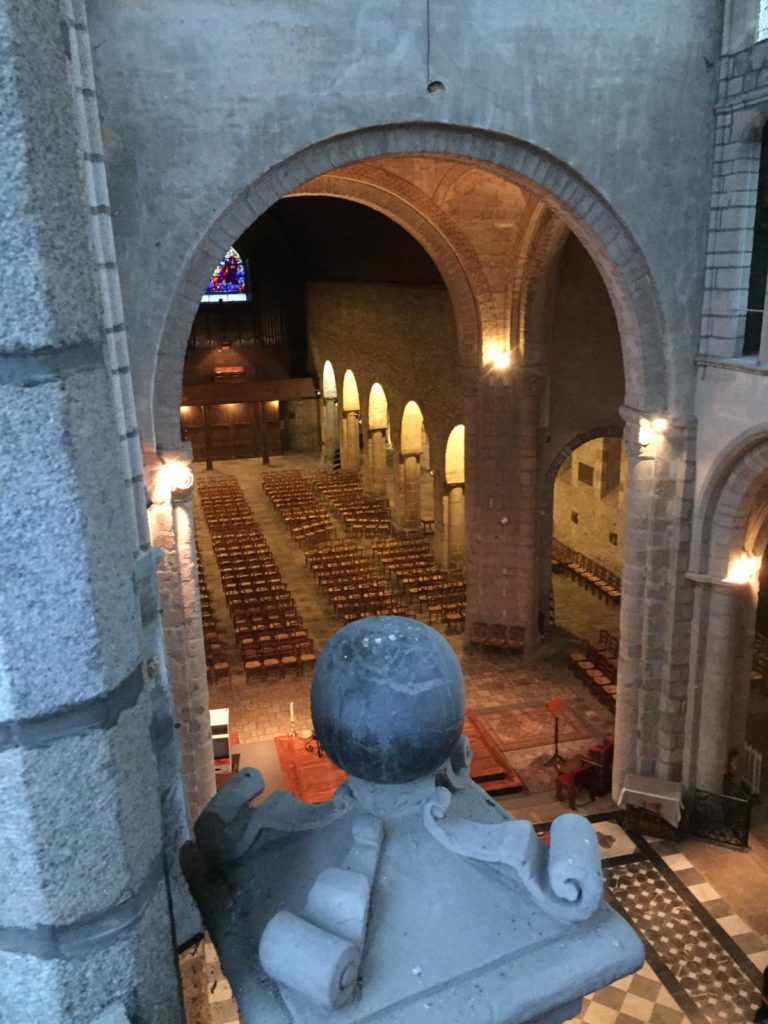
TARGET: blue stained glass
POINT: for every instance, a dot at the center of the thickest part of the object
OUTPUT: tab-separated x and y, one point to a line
229	276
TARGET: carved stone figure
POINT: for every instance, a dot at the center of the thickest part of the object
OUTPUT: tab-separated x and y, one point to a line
411	896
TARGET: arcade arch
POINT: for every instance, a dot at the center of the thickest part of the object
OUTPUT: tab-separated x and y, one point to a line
329	415
376	441
350	423
503	465
730	539
453	499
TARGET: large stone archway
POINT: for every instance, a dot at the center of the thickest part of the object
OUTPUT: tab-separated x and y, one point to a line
730	535
505	409
615	252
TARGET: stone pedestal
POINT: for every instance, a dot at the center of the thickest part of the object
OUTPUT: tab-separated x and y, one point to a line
410	896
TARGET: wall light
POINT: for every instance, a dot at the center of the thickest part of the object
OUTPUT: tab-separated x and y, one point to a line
174	479
501	360
651	429
743	568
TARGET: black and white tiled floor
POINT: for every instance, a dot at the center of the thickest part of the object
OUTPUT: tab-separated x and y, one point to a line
703	962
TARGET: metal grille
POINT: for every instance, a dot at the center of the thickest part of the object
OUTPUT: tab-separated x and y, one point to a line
719	819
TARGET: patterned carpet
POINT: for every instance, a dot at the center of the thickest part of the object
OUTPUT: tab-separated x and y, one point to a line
516	728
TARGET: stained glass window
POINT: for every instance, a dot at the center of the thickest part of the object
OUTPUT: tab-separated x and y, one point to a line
227	283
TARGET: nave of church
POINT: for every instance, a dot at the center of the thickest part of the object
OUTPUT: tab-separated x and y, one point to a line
318	313
694	904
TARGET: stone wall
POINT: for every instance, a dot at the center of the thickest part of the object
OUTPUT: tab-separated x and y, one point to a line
265	82
591	485
400	336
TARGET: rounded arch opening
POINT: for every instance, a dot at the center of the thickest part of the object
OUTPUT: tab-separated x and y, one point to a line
378	412
411	430
616	253
329	380
350	396
454	456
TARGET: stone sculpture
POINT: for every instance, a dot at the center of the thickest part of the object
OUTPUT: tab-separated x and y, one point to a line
411	896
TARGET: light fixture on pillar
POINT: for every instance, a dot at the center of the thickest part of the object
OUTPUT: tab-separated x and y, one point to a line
651	429
743	568
497	356
173	480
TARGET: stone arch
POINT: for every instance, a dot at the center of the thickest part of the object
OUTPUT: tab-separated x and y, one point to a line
732	523
329	380
350	423
454	503
411	426
407	511
376	441
617	255
454	456
329	415
472	304
554	467
733	510
350	395
377	408
546	510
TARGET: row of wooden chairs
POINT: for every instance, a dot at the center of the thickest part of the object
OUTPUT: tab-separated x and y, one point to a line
298	506
352	583
587	572
363	515
267	625
596	670
439	593
216	661
497	637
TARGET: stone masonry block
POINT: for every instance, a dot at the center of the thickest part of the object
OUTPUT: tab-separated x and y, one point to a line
136	970
81	822
71	626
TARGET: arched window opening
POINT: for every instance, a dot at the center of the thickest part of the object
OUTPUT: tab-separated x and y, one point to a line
227	282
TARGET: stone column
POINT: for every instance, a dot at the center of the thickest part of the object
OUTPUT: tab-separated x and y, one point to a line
171	519
455	524
502	451
174	811
377	462
657	602
350	442
85	920
721	668
407	512
329	430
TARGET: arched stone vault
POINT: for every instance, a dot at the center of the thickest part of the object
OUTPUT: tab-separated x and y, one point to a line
615	252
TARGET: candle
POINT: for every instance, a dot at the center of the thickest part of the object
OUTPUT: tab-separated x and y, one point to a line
293	719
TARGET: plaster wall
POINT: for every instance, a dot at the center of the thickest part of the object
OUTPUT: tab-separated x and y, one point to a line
184	136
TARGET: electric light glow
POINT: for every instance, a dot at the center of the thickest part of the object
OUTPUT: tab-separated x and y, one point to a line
743	569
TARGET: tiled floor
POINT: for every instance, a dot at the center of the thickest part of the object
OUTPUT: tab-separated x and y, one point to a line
704	957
